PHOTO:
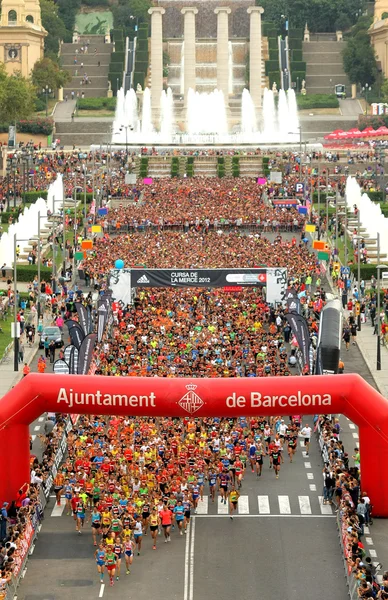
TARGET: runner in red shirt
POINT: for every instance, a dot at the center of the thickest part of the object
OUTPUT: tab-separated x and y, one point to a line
165	518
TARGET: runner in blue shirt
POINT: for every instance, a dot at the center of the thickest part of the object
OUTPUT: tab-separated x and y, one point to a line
223	482
179	513
212	484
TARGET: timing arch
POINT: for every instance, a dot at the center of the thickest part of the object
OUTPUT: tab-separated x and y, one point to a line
85	394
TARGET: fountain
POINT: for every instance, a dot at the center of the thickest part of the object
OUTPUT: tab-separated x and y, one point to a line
27	225
206	119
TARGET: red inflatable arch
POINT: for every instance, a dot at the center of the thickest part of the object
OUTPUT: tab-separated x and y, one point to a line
329	394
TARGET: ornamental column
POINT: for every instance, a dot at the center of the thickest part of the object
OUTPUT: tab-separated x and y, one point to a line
156	60
255	58
189	49
223	51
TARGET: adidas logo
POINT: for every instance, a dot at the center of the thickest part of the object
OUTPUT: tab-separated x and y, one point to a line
143	279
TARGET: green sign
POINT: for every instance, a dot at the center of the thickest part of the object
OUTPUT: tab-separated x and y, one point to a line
323	256
78	255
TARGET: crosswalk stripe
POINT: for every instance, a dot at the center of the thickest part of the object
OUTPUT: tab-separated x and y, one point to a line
243	505
284	505
203	506
58	510
325	508
222	509
304	505
263	505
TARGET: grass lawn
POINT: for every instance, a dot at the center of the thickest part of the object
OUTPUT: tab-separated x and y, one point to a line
95	113
94	22
5	336
42	113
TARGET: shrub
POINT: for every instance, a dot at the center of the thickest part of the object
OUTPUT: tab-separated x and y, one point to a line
174	166
366	271
117	57
138	78
35	126
295	34
295	75
317	101
273	55
274	77
296	55
273	43
269	30
28	272
31	197
295	44
96	103
298	66
271	65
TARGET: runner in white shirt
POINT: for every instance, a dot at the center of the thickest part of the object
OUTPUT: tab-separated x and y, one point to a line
306	433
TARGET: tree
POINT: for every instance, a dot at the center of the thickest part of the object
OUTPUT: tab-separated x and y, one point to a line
54	26
126	16
47	72
17	98
384	90
360	59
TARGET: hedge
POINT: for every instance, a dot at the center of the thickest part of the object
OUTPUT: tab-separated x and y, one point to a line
271	65
119	47
117	34
269	29
366	271
143	167
274	55
96	103
35	126
142	66
118	57
295	44
296	55
28	272
142	56
174	166
190	166
317	101
295	75
274	76
31	197
273	43
138	79
298	66
295	34
141	46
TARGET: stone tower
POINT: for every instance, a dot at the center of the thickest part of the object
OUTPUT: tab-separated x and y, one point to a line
21	35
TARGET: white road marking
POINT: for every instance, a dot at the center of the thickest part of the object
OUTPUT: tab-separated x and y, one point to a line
313	487
373	553
304	453
366	530
37	427
102	588
41	419
58	510
263	505
355	435
203	506
265	516
223	509
307	465
284	505
192	559
352	426
379	579
187	556
369	541
325	508
301	442
243	505
33	437
32	549
310	475
304	505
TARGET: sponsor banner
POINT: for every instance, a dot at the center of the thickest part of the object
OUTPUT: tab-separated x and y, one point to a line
71	357
61	450
276	285
300	330
60	367
103	309
228	288
198	277
292	301
286	203
120	285
83	317
75	331
85	354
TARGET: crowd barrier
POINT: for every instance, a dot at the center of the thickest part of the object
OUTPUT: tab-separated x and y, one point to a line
250	227
351	580
34	522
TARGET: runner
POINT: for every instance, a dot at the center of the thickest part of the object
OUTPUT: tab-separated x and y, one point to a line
138	533
154	525
100	555
223	483
80	513
128	549
187	508
165	517
233	500
179	513
95	518
110	563
306	433
259	453
275	454
212	477
118	550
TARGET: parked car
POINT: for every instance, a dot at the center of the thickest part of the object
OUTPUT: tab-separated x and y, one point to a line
340	91
51	333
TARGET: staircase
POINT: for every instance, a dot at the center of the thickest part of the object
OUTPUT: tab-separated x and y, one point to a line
83	132
323	56
98	75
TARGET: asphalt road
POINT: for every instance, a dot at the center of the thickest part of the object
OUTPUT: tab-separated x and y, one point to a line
283	544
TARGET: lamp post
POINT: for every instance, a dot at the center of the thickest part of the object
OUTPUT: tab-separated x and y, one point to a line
300	138
379	267
15	324
366	89
46	91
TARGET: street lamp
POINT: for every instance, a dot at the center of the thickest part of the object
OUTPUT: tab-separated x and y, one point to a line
46	91
366	89
379	267
15	332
